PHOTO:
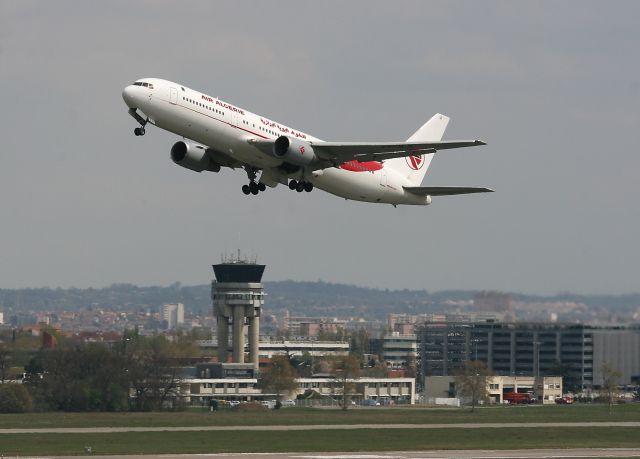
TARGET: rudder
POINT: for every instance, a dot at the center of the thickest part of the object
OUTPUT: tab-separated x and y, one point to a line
414	168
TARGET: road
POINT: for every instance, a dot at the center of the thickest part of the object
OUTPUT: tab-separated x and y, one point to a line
448	454
487	425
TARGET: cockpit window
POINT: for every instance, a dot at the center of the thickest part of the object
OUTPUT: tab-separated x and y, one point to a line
146	85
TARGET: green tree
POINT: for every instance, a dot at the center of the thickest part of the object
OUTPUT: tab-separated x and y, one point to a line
359	341
610	381
83	377
5	362
151	369
279	378
411	365
303	364
14	398
472	380
345	370
376	368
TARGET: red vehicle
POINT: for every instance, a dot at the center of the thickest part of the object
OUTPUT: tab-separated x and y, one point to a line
517	398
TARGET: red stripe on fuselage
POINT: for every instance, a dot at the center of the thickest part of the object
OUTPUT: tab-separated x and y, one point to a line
357	166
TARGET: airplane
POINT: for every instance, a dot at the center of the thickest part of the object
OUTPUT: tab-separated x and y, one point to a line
218	134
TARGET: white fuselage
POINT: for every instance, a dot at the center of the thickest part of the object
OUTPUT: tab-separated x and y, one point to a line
228	129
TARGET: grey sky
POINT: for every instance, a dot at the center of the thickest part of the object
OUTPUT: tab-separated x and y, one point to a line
552	86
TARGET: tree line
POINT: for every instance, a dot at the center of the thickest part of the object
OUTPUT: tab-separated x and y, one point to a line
137	373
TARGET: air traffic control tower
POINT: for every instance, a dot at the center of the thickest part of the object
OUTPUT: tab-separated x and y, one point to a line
238	296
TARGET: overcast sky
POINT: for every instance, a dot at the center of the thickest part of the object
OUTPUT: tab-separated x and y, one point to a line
553	87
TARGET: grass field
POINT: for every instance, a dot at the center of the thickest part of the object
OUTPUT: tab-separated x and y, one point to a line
307	416
317	440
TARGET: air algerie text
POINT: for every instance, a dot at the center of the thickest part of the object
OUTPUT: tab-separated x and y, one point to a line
222	104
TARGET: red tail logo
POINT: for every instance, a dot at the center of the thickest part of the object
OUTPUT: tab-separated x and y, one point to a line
415	162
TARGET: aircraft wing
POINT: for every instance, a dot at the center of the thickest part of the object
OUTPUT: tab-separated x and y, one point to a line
336	153
445	190
342	152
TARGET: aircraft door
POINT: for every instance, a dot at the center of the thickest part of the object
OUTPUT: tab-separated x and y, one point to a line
173	95
383	178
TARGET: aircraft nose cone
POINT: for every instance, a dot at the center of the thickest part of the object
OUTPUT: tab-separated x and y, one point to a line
128	94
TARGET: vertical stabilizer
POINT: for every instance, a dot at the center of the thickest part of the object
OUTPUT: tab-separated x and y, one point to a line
415	167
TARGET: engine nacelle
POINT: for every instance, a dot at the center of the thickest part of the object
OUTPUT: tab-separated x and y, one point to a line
193	156
293	151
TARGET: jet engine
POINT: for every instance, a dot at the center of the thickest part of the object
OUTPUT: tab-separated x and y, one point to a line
293	151
193	156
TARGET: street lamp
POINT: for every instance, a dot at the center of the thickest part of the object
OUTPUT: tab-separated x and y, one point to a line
475	344
536	369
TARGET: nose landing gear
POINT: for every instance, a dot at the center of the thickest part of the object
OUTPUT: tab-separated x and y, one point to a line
300	186
143	122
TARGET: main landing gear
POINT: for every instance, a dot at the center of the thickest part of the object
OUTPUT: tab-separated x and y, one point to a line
300	186
253	187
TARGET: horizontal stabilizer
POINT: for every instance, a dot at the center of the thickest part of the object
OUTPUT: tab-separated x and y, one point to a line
445	190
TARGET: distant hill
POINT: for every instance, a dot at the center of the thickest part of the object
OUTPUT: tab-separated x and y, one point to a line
304	298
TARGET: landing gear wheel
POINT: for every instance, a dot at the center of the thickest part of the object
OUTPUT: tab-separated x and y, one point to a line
293	184
246	189
253	187
139	131
262	186
308	186
300	187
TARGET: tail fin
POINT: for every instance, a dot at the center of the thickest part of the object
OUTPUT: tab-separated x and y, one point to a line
415	167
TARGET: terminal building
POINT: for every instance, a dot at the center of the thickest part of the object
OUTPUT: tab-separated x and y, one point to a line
234	382
267	349
532	349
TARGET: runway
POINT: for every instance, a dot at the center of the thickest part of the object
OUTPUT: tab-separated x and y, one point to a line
486	425
445	454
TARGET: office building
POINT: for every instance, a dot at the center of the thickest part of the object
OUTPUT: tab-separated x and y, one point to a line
172	315
532	349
